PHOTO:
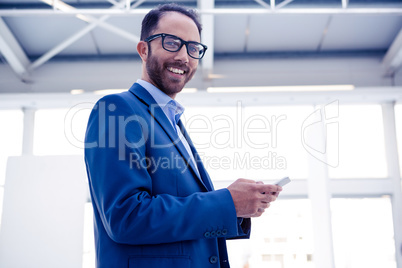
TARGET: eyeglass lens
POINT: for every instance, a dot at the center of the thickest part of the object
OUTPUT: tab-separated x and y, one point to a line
173	44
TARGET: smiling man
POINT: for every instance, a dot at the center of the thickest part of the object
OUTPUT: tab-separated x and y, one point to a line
154	202
170	72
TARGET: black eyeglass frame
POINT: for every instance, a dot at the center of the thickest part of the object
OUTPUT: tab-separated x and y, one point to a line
182	42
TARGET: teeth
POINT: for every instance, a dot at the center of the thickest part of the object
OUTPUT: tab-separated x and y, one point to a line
175	70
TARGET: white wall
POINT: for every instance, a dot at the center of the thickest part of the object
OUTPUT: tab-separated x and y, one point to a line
43	212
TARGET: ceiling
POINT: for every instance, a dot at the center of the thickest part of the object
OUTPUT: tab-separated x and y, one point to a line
38	33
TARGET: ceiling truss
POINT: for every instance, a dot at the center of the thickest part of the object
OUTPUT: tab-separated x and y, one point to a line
93	23
12	51
19	62
393	58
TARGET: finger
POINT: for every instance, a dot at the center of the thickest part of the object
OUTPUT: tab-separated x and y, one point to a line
269	188
268	198
261	183
245	180
265	205
275	193
260	211
257	214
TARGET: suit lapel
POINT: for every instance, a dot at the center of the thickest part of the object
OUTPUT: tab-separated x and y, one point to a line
160	117
203	173
157	113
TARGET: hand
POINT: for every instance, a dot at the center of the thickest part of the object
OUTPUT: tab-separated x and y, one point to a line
252	198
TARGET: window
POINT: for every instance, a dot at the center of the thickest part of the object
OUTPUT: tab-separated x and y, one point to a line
361	143
363	232
284	152
215	133
60	131
260	143
281	237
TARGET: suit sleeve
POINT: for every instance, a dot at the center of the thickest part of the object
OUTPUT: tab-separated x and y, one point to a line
121	192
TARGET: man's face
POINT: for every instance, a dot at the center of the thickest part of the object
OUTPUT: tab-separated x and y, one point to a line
170	71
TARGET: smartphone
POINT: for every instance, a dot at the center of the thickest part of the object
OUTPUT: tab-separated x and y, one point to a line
283	181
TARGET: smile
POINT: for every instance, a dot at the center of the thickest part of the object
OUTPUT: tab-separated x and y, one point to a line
175	70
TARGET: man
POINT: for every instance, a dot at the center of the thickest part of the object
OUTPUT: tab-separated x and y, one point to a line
154	203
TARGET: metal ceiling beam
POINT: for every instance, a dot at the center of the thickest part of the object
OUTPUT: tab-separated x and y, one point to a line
113	2
94	22
392	60
284	3
207	37
87	18
218	11
273	5
12	52
263	4
66	43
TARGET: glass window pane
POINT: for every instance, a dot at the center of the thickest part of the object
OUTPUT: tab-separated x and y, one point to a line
274	137
260	143
281	237
363	232
214	132
60	131
361	143
398	122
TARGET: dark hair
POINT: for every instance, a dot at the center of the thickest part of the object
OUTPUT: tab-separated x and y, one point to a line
150	21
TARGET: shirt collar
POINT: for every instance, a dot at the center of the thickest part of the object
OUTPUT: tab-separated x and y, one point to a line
163	100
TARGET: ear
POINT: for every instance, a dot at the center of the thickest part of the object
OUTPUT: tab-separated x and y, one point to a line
142	49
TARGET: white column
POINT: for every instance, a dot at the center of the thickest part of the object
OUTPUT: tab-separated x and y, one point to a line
207	37
391	151
314	135
28	131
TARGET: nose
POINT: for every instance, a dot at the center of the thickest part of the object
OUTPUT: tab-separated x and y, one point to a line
182	55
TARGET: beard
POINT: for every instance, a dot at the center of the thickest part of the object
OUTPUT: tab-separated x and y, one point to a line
158	74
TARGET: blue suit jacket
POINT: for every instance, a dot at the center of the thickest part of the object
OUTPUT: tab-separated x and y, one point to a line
151	209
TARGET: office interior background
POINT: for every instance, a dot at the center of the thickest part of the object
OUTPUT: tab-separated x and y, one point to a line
309	89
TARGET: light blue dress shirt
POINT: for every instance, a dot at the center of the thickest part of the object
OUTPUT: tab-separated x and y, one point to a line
172	109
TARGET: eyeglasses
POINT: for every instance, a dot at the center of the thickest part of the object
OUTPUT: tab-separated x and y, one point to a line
173	43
